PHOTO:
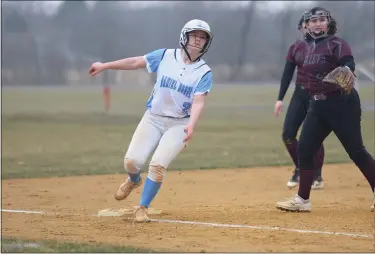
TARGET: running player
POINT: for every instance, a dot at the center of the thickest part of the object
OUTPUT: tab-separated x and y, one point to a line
172	111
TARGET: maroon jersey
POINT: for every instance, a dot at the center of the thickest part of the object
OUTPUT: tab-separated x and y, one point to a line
321	58
296	54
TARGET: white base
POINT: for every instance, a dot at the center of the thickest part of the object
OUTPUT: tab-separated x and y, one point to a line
111	212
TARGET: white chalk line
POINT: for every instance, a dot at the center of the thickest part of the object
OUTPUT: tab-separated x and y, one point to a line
220	225
21	211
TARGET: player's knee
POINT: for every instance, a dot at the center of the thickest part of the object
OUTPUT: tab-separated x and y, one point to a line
287	137
287	140
131	166
156	173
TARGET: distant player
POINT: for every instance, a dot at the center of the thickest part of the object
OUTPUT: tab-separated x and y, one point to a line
298	107
173	109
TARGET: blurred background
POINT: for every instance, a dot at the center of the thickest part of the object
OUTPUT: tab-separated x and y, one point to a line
55	42
57	120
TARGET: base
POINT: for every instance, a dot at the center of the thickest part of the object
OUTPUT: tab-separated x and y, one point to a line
115	212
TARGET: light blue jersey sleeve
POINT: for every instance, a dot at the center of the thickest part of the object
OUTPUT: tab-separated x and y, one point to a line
205	84
153	59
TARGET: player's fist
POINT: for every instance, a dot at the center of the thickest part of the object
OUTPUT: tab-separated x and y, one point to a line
278	108
96	68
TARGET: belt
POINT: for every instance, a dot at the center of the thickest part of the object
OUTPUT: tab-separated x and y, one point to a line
325	96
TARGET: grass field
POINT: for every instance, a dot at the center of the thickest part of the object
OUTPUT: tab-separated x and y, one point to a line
64	131
14	245
58	132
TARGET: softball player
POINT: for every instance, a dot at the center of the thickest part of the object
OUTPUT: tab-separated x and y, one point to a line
172	111
298	106
332	108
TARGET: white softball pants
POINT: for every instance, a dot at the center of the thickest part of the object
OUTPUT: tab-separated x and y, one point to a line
164	135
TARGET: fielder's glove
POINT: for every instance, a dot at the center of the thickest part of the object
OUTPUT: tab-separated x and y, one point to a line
342	76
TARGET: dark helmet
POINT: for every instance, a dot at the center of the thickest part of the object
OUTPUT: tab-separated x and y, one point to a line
317	12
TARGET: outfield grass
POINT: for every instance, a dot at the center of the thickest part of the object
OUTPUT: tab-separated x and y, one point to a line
64	131
14	245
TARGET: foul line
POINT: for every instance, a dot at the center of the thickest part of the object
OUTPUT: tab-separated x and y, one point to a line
219	225
21	211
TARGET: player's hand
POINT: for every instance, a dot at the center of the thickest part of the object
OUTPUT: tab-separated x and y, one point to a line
189	130
96	68
278	108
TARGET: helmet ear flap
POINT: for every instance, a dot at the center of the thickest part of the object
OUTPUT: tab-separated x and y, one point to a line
184	38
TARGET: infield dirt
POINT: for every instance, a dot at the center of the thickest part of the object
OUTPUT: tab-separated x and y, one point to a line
230	196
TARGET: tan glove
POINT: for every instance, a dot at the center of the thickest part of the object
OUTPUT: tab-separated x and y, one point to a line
342	76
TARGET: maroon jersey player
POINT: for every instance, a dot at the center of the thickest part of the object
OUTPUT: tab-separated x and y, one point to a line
331	109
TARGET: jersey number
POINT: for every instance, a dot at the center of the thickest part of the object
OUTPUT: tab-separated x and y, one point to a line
185	107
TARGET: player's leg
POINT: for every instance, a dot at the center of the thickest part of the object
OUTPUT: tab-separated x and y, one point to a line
144	140
170	145
314	131
346	124
295	115
318	183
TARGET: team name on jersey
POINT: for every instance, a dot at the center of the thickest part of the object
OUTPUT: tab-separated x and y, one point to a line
170	83
315	59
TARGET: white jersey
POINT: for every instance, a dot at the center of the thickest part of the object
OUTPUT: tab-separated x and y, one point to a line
176	82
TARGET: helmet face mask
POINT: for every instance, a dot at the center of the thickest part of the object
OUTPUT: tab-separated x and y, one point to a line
317	22
188	32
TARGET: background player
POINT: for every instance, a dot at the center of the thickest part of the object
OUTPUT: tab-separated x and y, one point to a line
332	108
173	109
298	106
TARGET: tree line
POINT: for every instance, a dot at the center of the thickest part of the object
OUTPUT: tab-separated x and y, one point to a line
250	43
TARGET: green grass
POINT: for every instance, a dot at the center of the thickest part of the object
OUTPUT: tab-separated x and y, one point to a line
64	131
14	245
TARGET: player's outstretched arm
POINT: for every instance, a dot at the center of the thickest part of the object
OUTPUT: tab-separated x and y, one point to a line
131	63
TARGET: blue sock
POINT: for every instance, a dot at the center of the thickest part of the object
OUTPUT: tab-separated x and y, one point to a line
135	177
150	190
